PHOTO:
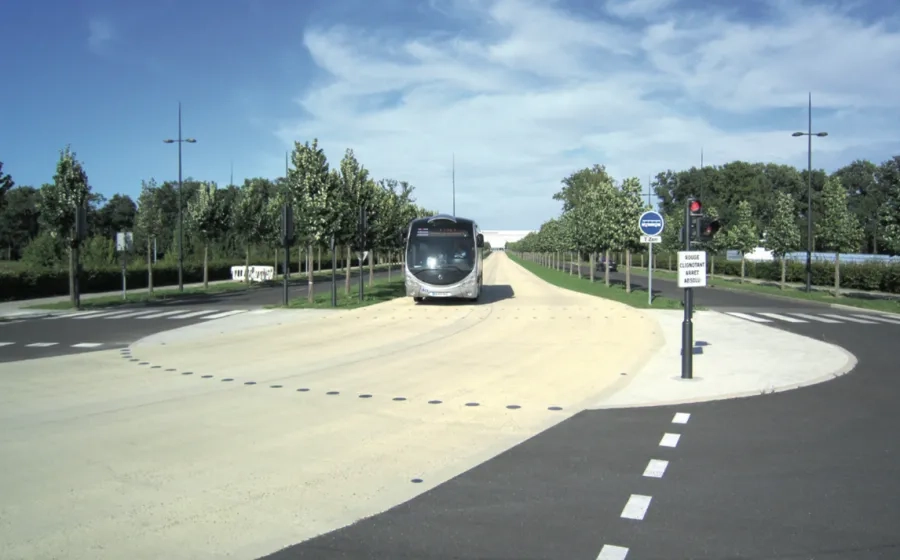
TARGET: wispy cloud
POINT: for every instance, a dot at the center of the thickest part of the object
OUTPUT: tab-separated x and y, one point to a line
100	33
532	91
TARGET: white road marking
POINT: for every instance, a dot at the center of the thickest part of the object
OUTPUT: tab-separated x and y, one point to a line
163	314
225	314
636	508
849	318
193	314
75	314
681	418
87	345
103	314
6	343
610	552
747	317
880	318
260	311
816	318
656	468
129	314
782	317
41	344
669	440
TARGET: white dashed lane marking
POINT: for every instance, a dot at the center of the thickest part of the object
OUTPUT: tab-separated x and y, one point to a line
87	345
41	344
656	468
6	343
610	552
669	440
681	418
636	508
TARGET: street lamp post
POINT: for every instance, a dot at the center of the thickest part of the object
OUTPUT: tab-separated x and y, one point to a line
180	141
809	228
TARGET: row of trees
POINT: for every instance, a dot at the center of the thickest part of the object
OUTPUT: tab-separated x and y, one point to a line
600	215
39	224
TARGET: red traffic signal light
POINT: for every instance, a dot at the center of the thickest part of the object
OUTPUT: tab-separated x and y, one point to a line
707	228
695	206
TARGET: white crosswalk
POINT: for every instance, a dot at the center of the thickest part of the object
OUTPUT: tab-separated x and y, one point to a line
829	318
157	313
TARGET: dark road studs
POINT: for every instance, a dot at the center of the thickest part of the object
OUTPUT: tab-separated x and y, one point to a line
302	390
227	379
365	396
554	408
471	404
155	367
513	406
434	402
170	369
275	386
333	393
206	377
190	373
399	399
249	382
416	481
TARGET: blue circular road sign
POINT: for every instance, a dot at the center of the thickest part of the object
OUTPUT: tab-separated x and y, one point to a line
651	223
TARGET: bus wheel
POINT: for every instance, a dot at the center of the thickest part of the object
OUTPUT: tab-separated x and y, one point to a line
418	299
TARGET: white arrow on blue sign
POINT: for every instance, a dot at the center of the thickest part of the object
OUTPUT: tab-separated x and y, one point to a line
651	223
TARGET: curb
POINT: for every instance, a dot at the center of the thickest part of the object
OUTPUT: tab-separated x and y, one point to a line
848	367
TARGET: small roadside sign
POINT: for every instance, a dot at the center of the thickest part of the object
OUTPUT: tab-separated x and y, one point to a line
691	269
651	223
651	239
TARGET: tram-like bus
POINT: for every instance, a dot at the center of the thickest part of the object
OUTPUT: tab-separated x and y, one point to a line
444	258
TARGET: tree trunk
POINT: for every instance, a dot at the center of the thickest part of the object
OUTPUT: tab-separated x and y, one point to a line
593	264
149	265
712	266
347	275
389	263
606	268
627	271
742	268
371	267
319	267
206	266
247	264
783	271
311	296
642	260
72	259
837	275
669	265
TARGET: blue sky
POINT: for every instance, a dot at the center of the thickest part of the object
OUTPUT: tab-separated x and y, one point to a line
522	91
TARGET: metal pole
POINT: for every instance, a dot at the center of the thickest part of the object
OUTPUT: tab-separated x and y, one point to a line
809	228
333	273
687	327
287	250
180	211
454	185
362	225
124	286
650	277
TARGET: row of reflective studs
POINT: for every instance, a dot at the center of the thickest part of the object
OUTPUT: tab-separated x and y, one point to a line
126	353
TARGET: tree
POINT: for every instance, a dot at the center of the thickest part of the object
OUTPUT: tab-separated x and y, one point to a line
783	235
207	219
629	205
19	222
838	229
742	234
718	242
354	185
888	176
59	203
149	222
671	235
251	219
6	183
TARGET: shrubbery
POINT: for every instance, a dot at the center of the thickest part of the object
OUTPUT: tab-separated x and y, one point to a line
869	276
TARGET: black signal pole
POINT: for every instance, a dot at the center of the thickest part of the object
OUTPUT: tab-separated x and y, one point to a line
687	326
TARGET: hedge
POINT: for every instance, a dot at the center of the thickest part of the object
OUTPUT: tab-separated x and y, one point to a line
39	283
870	276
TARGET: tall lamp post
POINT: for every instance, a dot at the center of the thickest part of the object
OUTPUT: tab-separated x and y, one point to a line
180	141
809	228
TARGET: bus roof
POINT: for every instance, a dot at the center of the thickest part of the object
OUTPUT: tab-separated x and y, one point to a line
443	219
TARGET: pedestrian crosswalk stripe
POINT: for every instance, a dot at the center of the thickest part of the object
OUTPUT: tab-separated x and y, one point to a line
158	315
816	318
782	317
880	318
848	318
193	314
748	317
225	314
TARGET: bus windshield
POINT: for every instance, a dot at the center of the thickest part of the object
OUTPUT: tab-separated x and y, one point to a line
441	248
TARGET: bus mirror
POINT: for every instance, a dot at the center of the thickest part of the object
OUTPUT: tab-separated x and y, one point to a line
479	241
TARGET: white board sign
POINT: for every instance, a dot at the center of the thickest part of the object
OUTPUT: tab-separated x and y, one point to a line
651	239
691	269
124	241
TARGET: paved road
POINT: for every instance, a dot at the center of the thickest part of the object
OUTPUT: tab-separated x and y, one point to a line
805	474
86	331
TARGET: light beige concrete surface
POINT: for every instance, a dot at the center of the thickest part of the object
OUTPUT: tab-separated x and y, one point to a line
106	458
742	359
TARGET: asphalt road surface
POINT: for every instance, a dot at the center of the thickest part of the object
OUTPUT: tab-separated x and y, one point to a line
117	327
805	474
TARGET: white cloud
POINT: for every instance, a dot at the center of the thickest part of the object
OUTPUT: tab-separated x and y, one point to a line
532	91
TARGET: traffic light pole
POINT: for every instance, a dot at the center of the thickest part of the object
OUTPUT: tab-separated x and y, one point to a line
687	326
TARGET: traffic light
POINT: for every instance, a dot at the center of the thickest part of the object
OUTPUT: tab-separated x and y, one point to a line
707	228
695	207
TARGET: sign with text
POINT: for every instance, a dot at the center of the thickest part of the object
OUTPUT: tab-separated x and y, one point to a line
651	239
651	223
691	269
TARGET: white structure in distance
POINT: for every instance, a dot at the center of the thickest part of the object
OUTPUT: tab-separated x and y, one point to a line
499	238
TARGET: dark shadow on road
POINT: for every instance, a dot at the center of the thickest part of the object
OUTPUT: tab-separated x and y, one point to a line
489	295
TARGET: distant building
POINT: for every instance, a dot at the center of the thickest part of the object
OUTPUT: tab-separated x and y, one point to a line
499	238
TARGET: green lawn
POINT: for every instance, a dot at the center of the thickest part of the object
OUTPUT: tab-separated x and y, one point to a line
166	294
874	304
615	292
380	291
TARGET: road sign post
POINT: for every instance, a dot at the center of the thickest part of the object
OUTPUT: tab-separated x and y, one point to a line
651	225
124	244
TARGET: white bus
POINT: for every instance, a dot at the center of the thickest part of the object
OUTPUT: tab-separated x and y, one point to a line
444	258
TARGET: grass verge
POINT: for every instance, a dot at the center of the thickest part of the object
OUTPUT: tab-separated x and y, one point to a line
159	295
381	291
771	289
616	292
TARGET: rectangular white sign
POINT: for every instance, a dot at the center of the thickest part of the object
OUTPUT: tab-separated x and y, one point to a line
691	269
651	239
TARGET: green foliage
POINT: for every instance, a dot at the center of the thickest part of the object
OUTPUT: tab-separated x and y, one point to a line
207	216
60	199
44	251
6	183
783	234
838	229
742	233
